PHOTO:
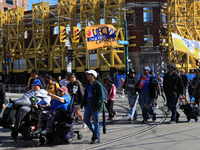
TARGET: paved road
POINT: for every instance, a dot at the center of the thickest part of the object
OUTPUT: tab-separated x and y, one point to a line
123	135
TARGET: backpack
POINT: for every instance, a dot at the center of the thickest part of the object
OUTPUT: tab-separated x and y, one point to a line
106	96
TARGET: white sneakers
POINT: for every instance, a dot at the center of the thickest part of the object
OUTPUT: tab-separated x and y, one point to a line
84	126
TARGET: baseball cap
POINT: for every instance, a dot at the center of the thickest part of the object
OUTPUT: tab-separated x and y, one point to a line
147	68
36	82
93	72
63	88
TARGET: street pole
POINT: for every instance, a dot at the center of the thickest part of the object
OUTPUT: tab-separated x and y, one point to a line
126	46
88	57
4	50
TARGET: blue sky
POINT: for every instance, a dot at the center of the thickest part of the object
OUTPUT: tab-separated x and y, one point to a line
51	2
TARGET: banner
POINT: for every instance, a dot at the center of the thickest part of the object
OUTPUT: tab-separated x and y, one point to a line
100	36
186	46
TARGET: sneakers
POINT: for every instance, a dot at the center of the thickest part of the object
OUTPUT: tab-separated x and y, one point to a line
114	114
95	141
172	122
132	119
177	117
38	131
144	121
84	126
109	118
154	117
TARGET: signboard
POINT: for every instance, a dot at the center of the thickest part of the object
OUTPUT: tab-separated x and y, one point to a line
98	36
123	42
69	67
67	42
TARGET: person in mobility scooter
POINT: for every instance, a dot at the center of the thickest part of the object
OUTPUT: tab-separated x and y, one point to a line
22	115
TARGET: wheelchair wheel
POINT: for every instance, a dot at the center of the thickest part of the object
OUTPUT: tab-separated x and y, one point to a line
25	131
80	136
14	134
50	138
68	135
42	140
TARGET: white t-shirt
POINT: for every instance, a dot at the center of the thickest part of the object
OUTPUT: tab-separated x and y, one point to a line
64	82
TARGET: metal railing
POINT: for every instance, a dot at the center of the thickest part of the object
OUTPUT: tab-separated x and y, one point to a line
15	88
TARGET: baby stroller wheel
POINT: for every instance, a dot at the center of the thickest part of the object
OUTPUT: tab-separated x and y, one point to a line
14	134
80	136
42	140
68	135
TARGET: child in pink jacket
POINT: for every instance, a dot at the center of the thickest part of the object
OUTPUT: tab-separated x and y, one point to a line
110	87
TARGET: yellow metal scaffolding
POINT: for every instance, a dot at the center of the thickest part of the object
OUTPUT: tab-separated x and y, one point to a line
181	16
40	53
37	53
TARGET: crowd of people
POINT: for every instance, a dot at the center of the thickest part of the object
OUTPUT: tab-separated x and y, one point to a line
57	95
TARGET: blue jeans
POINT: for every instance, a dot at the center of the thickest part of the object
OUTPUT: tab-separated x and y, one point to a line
172	105
145	104
132	99
95	126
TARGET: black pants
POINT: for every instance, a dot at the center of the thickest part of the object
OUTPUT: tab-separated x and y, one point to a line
163	95
196	100
109	107
172	105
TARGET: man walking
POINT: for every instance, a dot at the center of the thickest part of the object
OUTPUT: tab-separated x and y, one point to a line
93	101
173	87
196	87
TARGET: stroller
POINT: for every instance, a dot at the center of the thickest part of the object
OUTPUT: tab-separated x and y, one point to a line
30	122
62	129
191	110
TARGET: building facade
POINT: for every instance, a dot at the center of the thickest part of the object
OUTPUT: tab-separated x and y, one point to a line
11	4
147	25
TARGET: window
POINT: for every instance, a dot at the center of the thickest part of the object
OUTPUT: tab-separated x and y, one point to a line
5	9
147	15
10	2
148	40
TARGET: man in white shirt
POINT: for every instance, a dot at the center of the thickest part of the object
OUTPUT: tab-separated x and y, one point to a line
65	81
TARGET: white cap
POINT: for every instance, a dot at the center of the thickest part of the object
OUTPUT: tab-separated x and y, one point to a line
92	72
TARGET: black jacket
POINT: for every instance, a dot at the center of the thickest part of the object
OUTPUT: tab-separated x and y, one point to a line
153	87
185	80
78	96
172	84
2	94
